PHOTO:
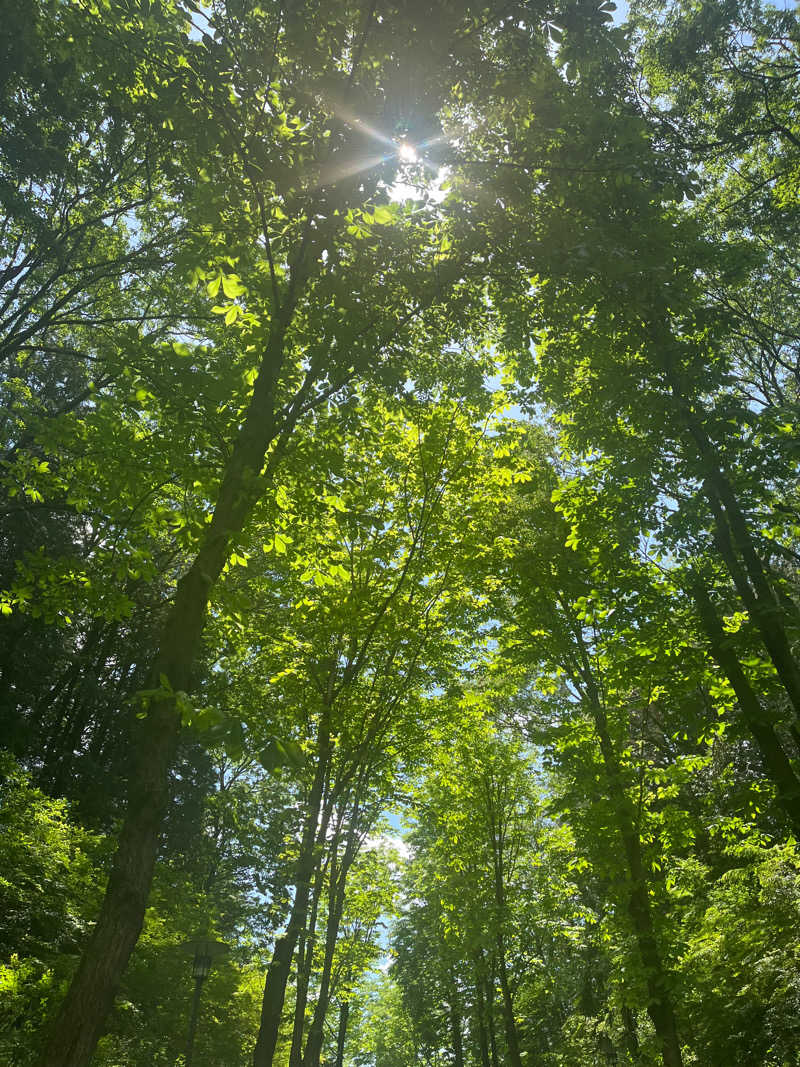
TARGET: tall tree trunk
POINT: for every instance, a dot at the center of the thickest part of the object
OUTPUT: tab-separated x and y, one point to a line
490	1021
496	843
659	1007
631	1035
455	1026
776	761
281	963
480	1013
509	1023
79	1023
305	958
336	898
750	577
341	1036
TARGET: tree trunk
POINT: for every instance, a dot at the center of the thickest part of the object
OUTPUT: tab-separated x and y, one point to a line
305	958
512	1038
341	1036
480	1014
631	1035
455	1028
490	1017
496	832
660	1007
281	963
775	759
79	1023
336	898
733	534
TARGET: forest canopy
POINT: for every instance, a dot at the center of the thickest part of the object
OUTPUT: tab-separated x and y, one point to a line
399	533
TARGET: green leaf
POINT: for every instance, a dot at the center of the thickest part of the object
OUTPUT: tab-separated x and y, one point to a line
232	286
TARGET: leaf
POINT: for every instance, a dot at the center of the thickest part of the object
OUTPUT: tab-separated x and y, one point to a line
335	502
281	753
232	286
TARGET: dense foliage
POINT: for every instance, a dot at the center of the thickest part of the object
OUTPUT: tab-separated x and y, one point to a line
399	533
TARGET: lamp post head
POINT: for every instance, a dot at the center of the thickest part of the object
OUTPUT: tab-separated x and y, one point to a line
201	965
203	950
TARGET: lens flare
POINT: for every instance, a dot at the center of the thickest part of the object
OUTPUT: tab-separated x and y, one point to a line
407	153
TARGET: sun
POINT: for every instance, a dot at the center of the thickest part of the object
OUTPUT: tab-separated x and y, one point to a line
407	153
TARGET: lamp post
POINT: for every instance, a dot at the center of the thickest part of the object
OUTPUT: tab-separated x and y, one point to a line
203	950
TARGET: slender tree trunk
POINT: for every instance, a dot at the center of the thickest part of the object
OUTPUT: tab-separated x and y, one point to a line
751	577
512	1038
496	843
480	1014
336	898
281	963
305	958
77	1027
490	1021
341	1036
660	1007
631	1035
455	1027
776	761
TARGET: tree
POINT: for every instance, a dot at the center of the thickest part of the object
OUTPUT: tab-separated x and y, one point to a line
312	236
277	557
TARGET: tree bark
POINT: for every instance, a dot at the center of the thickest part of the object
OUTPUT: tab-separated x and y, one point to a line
281	963
631	1035
78	1025
336	899
490	1016
776	761
660	1008
455	1027
750	577
341	1036
510	1026
305	958
480	1013
496	844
